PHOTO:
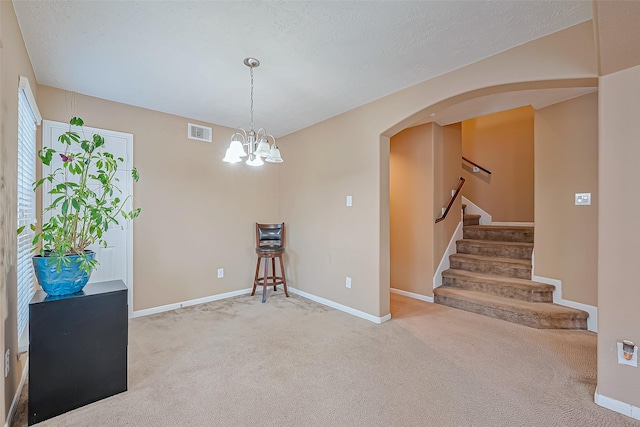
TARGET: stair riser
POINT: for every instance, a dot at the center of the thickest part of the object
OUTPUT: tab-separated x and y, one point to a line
499	235
499	269
471	221
499	289
502	251
526	319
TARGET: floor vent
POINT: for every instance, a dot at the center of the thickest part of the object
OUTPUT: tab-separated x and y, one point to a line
201	133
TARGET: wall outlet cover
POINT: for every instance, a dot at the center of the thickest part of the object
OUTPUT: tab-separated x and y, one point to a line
623	361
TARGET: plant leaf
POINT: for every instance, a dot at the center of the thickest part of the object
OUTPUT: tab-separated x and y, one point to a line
76	121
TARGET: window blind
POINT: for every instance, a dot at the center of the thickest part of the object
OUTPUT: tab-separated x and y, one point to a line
26	206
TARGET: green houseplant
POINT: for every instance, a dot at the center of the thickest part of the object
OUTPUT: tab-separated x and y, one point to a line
85	203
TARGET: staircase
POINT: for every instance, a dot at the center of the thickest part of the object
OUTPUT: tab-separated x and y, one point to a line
491	275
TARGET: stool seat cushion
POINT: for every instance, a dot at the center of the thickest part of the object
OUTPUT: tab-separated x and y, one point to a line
269	246
270	249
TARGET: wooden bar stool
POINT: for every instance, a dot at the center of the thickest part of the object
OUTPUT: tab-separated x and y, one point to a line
269	245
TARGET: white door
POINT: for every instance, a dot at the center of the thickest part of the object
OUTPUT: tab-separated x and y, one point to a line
116	260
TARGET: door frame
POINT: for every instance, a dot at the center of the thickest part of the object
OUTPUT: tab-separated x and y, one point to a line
47	127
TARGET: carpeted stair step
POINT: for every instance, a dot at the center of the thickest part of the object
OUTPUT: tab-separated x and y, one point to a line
508	287
538	315
494	248
507	267
499	233
470	219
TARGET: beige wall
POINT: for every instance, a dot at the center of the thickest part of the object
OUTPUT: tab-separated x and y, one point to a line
618	246
502	143
345	156
566	241
411	209
617	34
14	63
198	213
425	166
446	164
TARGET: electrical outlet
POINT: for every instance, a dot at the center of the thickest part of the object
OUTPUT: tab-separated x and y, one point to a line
348	282
627	353
220	273
6	362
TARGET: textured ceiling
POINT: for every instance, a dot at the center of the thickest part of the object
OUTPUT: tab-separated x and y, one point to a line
318	58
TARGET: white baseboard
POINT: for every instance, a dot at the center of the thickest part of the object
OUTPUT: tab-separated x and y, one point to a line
341	307
473	209
444	262
592	321
411	295
16	397
168	307
513	223
617	406
332	304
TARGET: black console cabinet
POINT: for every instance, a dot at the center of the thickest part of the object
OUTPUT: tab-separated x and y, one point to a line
77	348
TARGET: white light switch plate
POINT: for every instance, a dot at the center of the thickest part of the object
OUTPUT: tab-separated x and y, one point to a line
220	273
349	201
583	199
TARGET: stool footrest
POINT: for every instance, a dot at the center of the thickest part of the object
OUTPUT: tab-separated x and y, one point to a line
271	281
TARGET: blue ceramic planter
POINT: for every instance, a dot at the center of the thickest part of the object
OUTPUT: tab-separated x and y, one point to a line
69	281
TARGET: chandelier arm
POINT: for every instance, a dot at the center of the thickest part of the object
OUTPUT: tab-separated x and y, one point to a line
273	138
242	133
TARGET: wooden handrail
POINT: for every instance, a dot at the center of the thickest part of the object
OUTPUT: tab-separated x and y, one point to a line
476	165
453	198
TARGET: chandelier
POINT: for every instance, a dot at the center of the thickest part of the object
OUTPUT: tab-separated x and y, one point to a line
256	143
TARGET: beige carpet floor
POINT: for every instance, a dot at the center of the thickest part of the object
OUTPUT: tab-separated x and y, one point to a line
292	362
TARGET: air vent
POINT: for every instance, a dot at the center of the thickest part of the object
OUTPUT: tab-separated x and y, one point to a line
201	133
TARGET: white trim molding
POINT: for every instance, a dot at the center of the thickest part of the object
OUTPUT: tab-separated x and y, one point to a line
16	397
169	307
592	321
513	224
23	84
411	295
616	405
211	298
444	262
473	209
341	307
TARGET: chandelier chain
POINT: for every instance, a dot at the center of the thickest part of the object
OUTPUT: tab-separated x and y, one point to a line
251	70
